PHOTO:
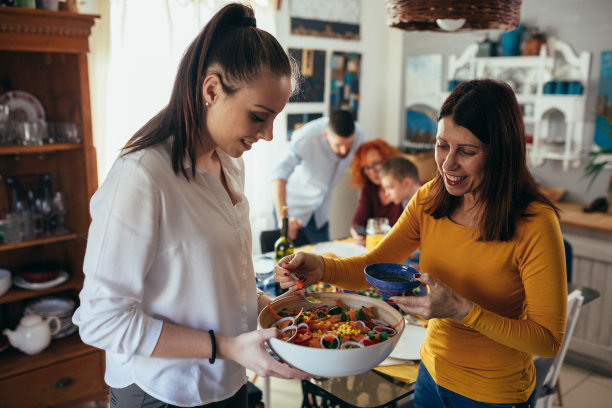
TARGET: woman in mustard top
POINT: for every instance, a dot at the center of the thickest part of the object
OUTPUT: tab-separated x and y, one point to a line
491	254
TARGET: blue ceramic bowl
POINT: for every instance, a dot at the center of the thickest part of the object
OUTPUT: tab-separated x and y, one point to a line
392	279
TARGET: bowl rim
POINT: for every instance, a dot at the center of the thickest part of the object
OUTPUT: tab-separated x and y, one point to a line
398	286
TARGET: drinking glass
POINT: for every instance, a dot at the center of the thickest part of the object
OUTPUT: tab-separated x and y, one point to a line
376	229
264	273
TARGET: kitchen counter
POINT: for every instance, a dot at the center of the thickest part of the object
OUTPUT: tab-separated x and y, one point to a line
573	216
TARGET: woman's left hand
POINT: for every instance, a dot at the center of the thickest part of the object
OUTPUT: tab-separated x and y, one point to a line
440	301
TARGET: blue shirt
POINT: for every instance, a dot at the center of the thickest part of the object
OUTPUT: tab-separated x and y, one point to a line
312	169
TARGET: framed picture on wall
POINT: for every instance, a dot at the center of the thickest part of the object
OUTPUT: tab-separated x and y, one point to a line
422	95
324	18
297	120
312	66
421	126
344	81
603	121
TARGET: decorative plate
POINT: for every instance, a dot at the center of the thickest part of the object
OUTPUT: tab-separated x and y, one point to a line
50	306
23	106
22	283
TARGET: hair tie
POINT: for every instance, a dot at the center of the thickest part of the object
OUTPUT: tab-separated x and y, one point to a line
248	21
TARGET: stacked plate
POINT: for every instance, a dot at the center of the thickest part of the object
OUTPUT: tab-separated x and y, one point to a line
60	307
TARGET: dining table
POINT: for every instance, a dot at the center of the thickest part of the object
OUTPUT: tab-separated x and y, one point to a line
391	384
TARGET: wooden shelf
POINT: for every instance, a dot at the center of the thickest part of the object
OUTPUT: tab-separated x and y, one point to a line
14	361
49	148
38	241
15	293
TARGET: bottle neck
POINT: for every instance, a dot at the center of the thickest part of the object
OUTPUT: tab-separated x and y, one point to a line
285	228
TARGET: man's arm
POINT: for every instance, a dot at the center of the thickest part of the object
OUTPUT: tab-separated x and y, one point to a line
280	197
280	200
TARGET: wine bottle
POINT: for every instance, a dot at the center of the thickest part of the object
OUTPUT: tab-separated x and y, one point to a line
283	245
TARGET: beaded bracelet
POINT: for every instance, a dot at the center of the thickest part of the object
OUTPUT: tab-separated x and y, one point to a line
214	347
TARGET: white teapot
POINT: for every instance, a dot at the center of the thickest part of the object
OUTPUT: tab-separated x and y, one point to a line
33	334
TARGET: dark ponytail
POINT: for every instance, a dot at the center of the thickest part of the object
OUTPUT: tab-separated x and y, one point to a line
231	46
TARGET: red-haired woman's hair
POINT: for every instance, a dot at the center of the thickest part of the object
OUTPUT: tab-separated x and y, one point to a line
358	178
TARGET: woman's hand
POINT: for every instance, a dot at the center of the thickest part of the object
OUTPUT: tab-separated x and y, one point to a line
308	268
358	239
249	351
440	301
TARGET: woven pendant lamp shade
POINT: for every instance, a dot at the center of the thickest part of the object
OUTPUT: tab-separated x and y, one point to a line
421	15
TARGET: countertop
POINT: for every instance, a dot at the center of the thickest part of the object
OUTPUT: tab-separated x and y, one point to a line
572	215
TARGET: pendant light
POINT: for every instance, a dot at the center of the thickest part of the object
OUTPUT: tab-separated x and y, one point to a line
453	15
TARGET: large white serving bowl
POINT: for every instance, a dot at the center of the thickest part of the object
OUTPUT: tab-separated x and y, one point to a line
333	363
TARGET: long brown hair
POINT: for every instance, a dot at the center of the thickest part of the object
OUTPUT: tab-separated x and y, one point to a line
231	46
386	151
489	109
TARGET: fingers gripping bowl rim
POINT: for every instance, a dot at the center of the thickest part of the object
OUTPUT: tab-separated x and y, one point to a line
332	362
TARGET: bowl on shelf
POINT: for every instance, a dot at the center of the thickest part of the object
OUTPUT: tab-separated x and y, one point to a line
333	362
5	281
40	272
392	279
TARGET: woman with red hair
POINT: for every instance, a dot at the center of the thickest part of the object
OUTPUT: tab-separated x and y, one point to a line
373	202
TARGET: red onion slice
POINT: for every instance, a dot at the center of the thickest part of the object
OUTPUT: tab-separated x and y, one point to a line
285	319
351	343
292	327
362	323
333	336
389	330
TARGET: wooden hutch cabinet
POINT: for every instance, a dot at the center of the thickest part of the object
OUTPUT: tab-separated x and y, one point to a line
45	53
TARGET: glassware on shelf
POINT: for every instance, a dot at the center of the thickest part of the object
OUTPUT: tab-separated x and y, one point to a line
59	208
11	231
4	124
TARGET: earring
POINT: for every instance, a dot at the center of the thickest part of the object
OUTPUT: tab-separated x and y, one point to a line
207	104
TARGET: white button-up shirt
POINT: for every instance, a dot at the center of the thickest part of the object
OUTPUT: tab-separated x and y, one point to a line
312	169
162	248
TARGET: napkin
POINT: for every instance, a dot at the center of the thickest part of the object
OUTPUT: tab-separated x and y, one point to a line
390	361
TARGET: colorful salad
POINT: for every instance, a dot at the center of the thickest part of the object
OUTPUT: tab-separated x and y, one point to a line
336	327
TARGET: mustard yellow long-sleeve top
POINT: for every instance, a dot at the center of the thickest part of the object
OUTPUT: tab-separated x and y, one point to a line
518	289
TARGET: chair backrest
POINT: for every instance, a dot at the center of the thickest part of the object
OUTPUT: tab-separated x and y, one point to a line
569	255
548	369
269	237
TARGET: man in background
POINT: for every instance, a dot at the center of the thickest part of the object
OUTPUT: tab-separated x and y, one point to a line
319	154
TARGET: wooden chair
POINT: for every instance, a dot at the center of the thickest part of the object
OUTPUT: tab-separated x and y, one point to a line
268	238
